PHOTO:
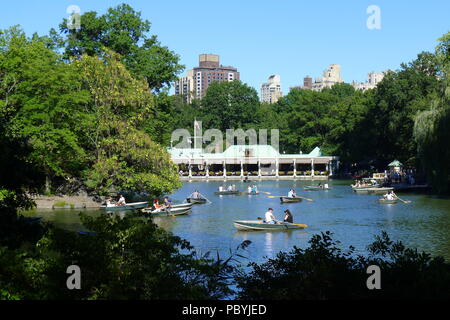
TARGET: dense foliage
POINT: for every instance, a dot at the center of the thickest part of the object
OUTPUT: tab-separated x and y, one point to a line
325	271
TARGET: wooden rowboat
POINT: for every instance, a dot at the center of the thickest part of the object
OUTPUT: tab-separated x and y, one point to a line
255	225
128	206
290	199
386	201
221	193
196	200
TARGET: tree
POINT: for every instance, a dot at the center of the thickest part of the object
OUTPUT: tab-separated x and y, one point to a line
397	99
431	126
123	31
229	105
41	96
125	157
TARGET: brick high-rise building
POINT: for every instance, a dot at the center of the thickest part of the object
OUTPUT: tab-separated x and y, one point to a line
197	81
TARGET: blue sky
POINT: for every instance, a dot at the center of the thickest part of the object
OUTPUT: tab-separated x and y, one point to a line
292	38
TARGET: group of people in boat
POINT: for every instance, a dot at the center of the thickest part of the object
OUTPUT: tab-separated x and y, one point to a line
231	187
390	196
252	189
158	207
362	184
110	202
270	217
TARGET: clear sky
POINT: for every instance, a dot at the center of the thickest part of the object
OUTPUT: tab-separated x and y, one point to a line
292	38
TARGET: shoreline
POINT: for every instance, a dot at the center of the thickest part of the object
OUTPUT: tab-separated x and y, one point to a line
65	202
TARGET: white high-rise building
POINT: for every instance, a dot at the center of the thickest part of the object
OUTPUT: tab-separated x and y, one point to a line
184	86
271	90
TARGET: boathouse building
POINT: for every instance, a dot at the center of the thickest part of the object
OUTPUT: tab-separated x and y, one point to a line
262	161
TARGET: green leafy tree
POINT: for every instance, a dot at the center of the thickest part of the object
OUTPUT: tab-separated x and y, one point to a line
122	30
229	105
125	157
431	127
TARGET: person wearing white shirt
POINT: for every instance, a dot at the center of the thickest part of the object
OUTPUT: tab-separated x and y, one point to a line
291	193
269	217
121	201
249	189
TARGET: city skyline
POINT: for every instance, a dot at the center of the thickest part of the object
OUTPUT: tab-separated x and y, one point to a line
293	39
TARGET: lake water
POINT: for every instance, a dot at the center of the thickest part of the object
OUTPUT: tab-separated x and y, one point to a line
353	218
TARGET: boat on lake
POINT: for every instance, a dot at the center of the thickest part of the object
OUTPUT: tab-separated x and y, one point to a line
128	206
250	193
182	205
314	188
378	190
167	212
290	199
255	225
226	192
387	201
196	200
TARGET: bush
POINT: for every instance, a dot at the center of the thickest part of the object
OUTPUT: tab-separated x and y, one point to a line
323	271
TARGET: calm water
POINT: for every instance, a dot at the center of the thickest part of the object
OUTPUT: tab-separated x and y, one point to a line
354	219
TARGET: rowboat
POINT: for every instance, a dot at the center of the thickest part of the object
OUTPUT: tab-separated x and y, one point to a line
196	200
250	193
255	225
386	201
290	199
374	190
128	206
314	188
182	205
365	187
165	212
221	193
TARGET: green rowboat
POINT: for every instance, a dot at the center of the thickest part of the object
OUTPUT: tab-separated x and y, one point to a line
222	193
290	199
314	188
128	206
257	225
196	200
165	212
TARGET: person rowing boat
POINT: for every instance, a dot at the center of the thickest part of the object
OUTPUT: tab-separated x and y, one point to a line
269	217
292	194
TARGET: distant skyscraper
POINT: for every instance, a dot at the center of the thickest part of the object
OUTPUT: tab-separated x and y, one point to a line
373	79
197	81
331	76
271	90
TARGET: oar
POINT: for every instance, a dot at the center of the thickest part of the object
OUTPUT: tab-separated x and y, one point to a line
405	201
296	224
205	198
307	199
264	192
